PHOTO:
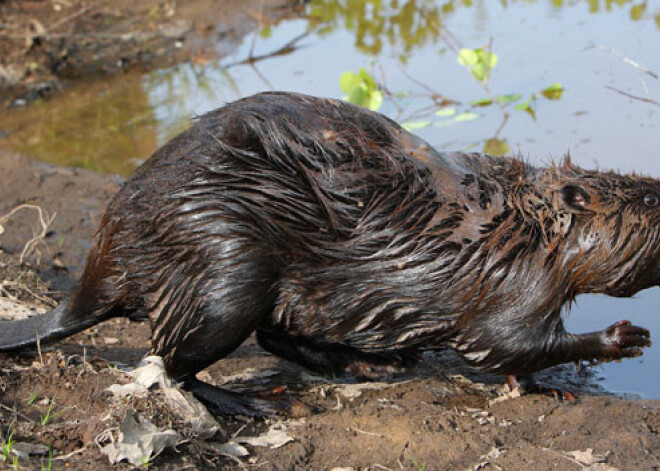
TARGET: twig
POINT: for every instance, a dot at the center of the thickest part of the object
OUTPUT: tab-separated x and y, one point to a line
260	18
14	411
371	434
235	434
288	48
502	125
634	97
69	455
485	86
253	66
437	98
41	358
61	21
22	287
45	221
626	60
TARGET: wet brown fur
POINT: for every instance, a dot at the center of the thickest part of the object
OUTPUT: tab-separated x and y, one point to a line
341	239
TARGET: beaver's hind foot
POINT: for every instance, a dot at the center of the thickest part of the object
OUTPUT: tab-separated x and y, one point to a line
228	403
528	386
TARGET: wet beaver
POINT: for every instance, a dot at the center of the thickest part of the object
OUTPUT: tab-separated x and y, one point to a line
349	244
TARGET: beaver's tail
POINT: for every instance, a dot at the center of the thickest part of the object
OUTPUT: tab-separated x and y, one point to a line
53	325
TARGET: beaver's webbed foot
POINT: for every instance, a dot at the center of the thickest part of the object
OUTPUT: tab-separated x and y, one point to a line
529	386
228	403
622	340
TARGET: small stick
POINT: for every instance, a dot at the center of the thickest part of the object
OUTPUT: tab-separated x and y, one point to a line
41	359
14	411
634	97
61	21
626	60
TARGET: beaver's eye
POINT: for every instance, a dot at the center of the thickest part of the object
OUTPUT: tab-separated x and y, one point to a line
651	200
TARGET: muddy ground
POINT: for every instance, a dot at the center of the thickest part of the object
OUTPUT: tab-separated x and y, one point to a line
440	415
44	44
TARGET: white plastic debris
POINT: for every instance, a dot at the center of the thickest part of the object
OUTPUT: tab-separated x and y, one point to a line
587	457
139	442
271	439
151	373
193	412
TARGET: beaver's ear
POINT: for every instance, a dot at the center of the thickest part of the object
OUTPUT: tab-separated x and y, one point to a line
575	197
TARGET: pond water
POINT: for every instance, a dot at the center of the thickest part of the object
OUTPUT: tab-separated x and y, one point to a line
112	125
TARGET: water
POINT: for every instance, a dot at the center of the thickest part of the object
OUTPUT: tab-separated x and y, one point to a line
114	124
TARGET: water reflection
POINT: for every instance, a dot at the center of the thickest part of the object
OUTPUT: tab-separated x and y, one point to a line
374	22
415	22
106	126
112	125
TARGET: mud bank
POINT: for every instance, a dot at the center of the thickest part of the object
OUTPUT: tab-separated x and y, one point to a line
46	44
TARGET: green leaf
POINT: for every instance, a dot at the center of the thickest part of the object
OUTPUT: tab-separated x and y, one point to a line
491	59
553	92
348	81
361	89
496	147
467	57
467	116
443	112
367	79
376	100
412	125
480	71
358	95
482	102
509	98
527	106
479	61
266	32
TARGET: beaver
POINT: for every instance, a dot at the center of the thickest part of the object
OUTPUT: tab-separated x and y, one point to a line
349	244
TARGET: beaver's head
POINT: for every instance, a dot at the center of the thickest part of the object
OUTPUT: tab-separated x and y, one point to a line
612	239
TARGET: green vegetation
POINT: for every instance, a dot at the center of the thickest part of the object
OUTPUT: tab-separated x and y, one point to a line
361	89
48	413
7	453
479	61
146	462
48	465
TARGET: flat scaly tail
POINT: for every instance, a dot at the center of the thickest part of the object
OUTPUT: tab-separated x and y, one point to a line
51	326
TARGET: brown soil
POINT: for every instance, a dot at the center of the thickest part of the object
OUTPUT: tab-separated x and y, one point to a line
435	417
45	42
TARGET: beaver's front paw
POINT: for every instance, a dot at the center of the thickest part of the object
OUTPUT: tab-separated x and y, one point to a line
624	340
